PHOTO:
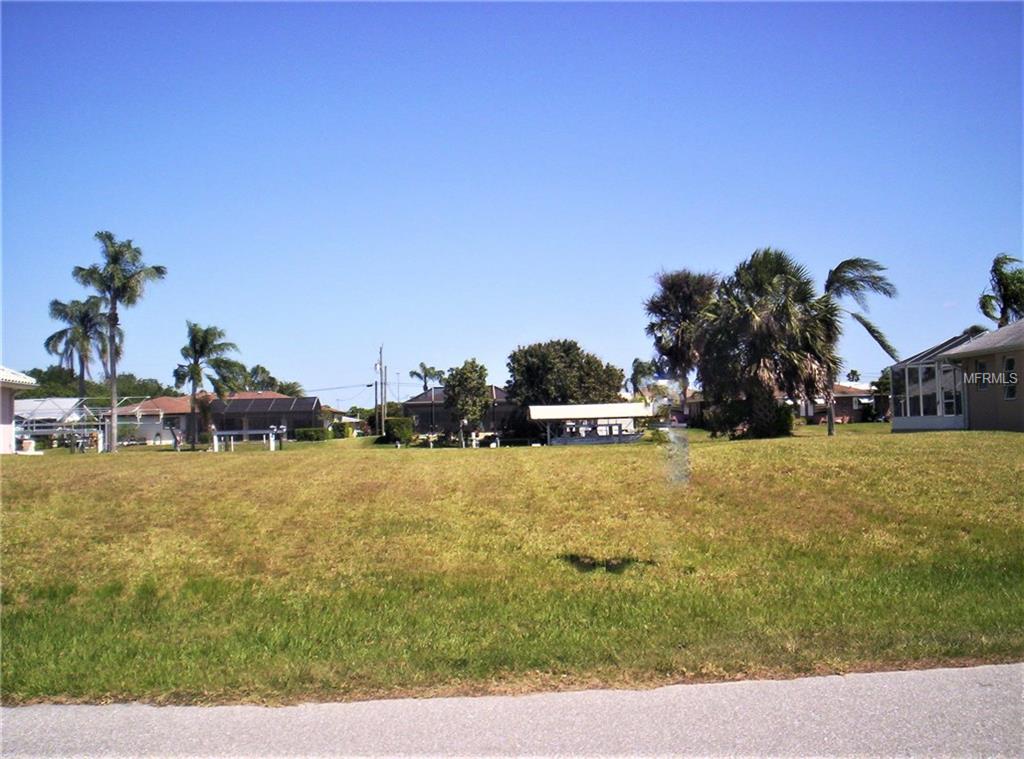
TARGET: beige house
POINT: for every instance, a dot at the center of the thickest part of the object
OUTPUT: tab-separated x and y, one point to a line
964	383
992	365
10	383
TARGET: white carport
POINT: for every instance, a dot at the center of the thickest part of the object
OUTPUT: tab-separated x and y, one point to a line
591	423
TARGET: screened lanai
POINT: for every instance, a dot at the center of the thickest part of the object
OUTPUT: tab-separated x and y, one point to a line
928	392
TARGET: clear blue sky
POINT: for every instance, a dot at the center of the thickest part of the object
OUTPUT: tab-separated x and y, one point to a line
457	180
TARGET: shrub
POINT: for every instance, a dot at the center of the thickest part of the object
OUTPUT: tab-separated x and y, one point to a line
204	438
343	430
398	429
313	434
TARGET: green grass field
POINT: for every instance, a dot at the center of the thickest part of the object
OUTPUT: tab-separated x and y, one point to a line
343	570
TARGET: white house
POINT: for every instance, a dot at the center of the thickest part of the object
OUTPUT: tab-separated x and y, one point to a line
10	383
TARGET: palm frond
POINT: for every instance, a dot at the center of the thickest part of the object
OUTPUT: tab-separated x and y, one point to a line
877	335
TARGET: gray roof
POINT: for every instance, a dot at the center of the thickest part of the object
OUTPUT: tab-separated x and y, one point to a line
1008	338
932	354
496	393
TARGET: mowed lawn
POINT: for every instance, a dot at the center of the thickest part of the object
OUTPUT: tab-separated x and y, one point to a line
338	570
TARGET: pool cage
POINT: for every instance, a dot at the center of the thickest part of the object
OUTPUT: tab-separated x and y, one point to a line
928	391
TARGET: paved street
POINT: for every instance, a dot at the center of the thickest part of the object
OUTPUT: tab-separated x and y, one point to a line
976	711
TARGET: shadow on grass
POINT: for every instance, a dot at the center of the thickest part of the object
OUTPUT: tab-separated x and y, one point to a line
615	564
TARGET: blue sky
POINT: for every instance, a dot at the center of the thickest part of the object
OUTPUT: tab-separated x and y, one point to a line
456	180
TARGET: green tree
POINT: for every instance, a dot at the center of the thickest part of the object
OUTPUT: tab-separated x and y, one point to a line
206	356
426	374
768	331
853	376
86	332
260	378
1003	301
640	373
293	389
120	279
561	372
678	314
466	394
855	278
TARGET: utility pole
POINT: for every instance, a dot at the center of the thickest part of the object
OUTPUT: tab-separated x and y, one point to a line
384	393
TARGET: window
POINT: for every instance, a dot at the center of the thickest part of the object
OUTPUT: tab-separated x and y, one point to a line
981	369
899	393
1009	369
950	381
928	391
913	391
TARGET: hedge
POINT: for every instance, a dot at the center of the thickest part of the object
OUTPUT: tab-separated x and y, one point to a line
313	434
398	429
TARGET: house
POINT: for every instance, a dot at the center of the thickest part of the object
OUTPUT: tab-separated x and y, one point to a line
962	383
591	423
992	364
256	410
152	421
853	402
261	410
429	415
11	382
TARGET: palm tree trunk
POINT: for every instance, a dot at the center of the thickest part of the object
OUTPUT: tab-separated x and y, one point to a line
195	422
81	375
113	376
830	407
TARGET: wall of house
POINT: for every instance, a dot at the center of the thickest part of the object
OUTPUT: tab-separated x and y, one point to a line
7	420
987	407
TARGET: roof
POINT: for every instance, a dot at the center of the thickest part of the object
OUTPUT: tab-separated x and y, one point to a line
12	378
590	411
496	393
164	404
1008	338
852	388
931	354
265	405
61	409
251	394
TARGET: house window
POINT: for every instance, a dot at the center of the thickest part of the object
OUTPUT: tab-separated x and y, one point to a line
982	369
899	393
1009	369
914	391
952	389
929	391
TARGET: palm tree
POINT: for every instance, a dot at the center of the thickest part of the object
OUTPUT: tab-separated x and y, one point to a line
769	331
856	277
86	330
206	352
293	389
1004	302
426	374
260	378
120	280
677	313
641	371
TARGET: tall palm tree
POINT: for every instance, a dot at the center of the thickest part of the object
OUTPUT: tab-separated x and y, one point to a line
426	374
1004	301
855	278
769	331
293	389
86	331
677	312
120	279
205	356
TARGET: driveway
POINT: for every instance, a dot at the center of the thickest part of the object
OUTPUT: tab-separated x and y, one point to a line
962	712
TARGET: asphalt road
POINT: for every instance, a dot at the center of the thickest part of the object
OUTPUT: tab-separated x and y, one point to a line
960	712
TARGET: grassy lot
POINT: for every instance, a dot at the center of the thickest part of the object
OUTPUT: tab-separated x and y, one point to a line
342	570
